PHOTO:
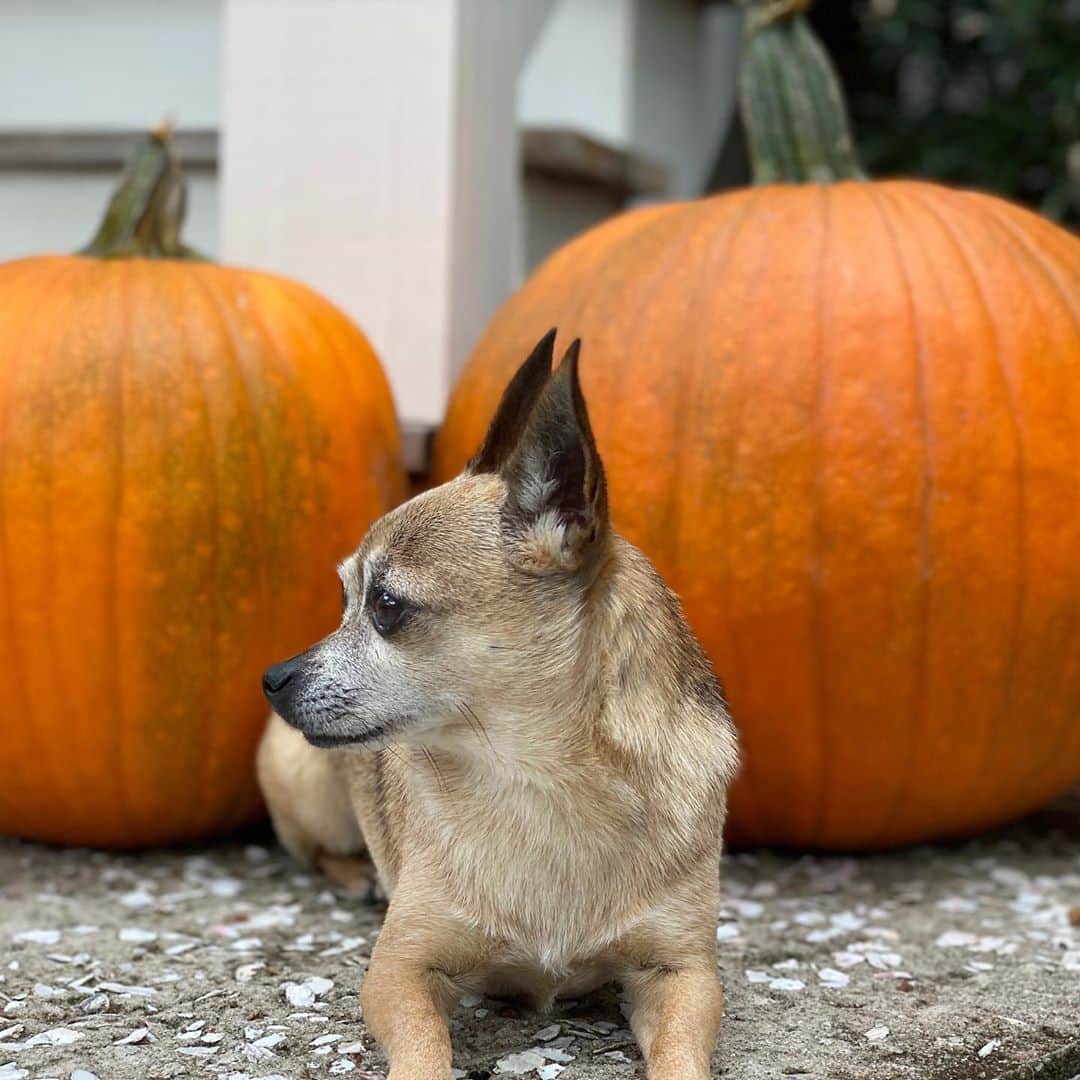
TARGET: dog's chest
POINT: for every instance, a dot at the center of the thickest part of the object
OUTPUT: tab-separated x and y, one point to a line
555	887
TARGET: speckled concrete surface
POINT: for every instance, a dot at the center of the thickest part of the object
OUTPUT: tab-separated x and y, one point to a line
939	963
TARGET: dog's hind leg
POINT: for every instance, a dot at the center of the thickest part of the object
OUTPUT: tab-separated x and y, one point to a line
310	807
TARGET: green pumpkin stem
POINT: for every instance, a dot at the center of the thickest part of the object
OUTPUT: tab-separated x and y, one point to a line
792	104
146	212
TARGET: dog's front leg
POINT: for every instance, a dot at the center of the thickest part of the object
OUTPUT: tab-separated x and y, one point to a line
675	1016
408	992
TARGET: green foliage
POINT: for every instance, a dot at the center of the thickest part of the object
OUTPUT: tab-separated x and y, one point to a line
979	93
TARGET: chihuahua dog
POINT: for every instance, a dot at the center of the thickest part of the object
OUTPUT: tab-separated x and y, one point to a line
516	722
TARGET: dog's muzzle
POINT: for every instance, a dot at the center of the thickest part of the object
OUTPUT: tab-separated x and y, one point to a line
280	683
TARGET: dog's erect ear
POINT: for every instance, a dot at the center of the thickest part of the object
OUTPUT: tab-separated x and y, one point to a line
556	515
517	402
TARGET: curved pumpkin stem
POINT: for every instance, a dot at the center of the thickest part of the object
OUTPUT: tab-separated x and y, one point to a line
792	103
146	212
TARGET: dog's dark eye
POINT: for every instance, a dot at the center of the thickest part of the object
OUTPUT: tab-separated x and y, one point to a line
388	613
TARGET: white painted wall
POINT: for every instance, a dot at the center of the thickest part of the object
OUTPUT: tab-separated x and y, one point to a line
370	150
578	73
118	63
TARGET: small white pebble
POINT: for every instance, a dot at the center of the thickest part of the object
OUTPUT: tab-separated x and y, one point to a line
181	947
846	959
54	1037
325	1040
126	989
137	898
519	1064
37	937
136	935
352	1048
878	1034
224	887
883	961
211	1038
303	995
955	939
342	1065
832	977
268	1042
552	1053
546	1034
469	1001
549	1072
788	985
82	1074
139	1035
727	931
957	904
753	976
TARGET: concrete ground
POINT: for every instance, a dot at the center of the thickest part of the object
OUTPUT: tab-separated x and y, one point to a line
939	962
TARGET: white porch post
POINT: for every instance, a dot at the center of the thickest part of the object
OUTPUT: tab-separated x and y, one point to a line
370	150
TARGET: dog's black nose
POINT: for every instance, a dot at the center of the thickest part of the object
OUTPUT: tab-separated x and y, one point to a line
276	678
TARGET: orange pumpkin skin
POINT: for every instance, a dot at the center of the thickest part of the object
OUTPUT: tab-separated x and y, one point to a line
844	421
185	450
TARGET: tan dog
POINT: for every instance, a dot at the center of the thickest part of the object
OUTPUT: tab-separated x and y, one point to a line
528	739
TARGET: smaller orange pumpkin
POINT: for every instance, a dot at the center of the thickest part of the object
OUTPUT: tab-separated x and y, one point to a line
185	451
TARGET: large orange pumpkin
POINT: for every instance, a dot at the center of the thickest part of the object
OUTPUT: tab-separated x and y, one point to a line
843	418
185	450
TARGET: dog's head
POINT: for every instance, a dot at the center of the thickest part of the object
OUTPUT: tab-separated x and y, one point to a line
471	592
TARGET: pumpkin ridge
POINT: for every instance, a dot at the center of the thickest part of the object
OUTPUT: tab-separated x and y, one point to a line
716	251
18	271
124	793
1038	259
270	289
69	273
730	227
925	518
211	761
1041	266
754	284
816	579
1020	540
16	659
747	769
75	764
271	349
